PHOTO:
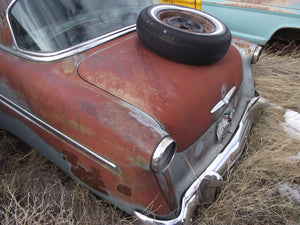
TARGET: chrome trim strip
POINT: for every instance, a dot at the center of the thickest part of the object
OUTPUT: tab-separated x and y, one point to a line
47	57
8	21
56	132
225	101
212	174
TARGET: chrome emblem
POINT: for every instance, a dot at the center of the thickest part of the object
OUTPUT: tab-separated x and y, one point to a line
225	101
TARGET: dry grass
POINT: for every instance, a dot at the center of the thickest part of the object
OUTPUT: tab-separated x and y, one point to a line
248	196
34	191
265	165
277	77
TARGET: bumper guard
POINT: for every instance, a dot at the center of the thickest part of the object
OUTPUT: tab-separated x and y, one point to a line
204	187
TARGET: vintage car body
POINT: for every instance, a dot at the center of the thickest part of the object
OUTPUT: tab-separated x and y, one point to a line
108	109
256	21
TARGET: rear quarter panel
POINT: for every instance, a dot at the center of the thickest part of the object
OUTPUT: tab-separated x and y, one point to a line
118	132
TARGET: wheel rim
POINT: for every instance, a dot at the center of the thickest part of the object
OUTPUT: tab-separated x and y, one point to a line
185	23
187	20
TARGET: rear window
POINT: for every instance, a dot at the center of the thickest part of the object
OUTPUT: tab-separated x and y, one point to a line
53	25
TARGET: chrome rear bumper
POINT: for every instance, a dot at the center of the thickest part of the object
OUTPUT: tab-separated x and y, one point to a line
204	187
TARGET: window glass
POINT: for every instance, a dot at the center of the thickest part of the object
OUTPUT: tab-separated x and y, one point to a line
53	25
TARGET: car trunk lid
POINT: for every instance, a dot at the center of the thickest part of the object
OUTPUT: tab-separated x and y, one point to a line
179	96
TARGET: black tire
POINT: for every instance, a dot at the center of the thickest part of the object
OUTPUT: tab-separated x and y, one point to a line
183	34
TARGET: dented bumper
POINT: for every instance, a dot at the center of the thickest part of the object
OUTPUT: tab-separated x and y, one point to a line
203	189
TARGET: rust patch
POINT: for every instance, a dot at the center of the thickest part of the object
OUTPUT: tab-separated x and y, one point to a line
257	6
248	5
91	177
124	190
244	47
278	3
68	66
247	1
157	87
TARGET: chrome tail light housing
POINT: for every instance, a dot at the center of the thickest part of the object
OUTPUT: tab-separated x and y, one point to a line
163	154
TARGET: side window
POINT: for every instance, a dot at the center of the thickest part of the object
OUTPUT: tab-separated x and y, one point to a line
23	39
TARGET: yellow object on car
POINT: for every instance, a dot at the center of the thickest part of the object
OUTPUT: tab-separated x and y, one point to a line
189	3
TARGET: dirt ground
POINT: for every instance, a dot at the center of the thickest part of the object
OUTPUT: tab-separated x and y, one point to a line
34	191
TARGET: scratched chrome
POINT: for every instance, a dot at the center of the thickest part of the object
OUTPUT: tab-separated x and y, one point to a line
46	126
213	173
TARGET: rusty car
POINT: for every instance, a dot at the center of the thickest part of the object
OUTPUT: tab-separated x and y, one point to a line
145	104
257	21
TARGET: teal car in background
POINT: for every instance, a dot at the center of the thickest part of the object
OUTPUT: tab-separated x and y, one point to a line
254	20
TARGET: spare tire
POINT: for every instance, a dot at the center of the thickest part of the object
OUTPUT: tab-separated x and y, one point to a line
183	34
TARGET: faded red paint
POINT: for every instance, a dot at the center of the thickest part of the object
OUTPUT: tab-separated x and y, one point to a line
54	92
83	167
5	36
179	96
103	123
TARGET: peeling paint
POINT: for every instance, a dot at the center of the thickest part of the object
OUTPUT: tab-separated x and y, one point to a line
15	96
169	92
278	3
245	47
68	65
257	6
76	125
90	176
139	98
145	119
